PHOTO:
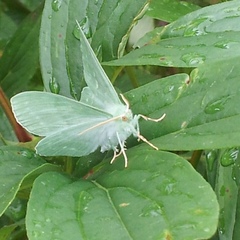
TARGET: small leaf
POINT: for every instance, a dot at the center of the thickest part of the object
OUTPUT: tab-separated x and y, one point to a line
19	62
18	167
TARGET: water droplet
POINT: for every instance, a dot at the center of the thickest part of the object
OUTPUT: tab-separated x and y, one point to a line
168	89
85	198
193	59
194	28
144	98
216	105
166	62
211	157
229	157
169	188
221	226
222	44
56	4
54	85
26	153
152	210
85	26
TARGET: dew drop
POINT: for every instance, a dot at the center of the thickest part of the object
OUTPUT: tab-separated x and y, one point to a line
221	226
144	98
168	89
194	28
229	157
166	62
54	85
56	4
193	59
85	198
152	210
85	26
26	153
222	44
211	157
216	106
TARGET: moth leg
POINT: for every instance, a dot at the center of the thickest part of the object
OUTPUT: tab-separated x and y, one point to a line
140	137
152	119
115	155
122	150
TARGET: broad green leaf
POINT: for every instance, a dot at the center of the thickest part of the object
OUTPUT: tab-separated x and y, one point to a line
159	196
170	10
205	115
60	55
19	62
19	166
184	51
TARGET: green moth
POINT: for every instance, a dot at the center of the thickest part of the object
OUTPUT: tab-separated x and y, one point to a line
77	128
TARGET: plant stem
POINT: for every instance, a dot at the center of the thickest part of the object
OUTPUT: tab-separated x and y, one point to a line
20	132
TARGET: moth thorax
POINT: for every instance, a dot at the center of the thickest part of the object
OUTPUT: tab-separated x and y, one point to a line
127	117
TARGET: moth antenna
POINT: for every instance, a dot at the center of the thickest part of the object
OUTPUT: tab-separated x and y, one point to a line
125	101
140	137
152	119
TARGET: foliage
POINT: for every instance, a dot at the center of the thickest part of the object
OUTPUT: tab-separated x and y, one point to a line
186	67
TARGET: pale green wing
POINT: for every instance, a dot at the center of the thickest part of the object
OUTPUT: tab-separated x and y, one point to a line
100	92
44	114
70	142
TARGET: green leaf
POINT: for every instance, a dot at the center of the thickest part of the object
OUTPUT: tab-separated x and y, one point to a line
184	51
148	194
200	37
60	55
222	17
7	29
226	184
7	230
116	18
169	10
31	5
19	167
205	114
20	58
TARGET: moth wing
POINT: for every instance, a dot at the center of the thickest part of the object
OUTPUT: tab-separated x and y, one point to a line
70	142
100	92
43	113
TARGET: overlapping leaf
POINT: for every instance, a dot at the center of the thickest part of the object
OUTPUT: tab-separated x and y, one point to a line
139	202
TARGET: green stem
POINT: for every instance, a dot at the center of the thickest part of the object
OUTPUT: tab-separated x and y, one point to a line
195	158
131	73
